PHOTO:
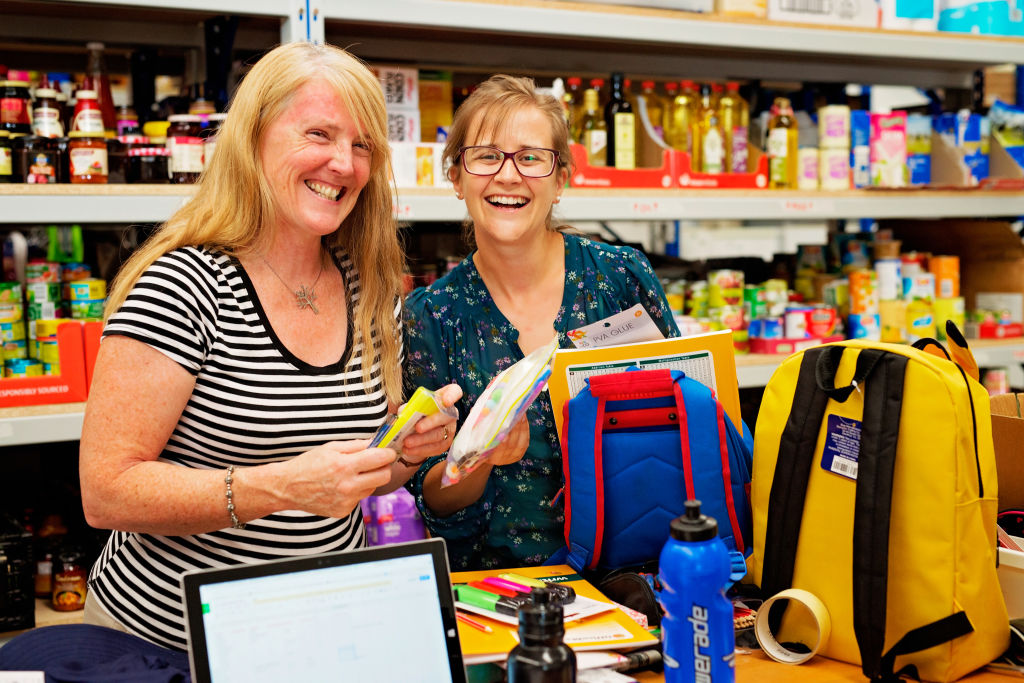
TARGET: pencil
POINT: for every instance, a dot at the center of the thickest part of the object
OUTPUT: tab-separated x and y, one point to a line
473	622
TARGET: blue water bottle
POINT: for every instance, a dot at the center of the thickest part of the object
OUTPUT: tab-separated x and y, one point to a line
697	630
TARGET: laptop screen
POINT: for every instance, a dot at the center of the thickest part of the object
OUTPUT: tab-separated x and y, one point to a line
380	614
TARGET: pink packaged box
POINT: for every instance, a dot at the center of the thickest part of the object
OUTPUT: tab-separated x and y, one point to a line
888	145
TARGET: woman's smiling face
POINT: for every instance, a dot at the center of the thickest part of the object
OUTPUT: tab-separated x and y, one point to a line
315	161
507	206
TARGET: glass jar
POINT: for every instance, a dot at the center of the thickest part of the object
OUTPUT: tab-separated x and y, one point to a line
36	160
186	162
148	165
88	116
117	155
46	114
15	107
87	154
69	582
6	158
127	122
209	136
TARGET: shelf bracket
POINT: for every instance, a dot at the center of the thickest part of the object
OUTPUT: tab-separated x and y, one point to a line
304	21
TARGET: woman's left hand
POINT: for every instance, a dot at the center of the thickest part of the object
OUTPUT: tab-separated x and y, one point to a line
433	434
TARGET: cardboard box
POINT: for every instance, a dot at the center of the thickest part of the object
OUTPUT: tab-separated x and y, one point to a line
400	85
862	13
1007	435
418	164
991	253
403	125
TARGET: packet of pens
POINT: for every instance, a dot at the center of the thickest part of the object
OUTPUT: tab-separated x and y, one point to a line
423	402
507	593
501	404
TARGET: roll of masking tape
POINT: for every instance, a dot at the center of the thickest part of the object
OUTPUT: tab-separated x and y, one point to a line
809	602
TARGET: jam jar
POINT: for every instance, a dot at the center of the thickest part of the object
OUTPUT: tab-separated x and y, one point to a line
87	154
148	165
186	162
69	581
15	107
6	158
117	155
46	115
36	160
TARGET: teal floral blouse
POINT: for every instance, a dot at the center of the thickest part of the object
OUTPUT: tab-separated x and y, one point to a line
455	333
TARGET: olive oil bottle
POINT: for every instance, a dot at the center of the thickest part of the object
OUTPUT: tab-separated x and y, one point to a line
710	154
683	119
782	145
593	132
734	113
620	120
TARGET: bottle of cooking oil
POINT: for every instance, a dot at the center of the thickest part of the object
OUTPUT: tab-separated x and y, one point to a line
657	107
593	132
734	113
620	120
572	100
683	119
782	145
711	154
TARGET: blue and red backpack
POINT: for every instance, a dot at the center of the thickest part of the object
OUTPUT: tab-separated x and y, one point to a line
635	446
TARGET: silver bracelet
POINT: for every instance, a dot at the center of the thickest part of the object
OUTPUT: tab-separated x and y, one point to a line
235	524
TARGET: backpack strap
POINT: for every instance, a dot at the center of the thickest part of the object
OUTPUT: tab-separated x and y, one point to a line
814	387
883	403
581	481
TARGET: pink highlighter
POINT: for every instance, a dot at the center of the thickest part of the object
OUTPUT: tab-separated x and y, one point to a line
507	585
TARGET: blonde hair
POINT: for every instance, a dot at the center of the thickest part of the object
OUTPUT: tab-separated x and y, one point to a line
233	207
492	104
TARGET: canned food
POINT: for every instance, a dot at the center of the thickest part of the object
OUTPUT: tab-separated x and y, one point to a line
90	289
996	381
919	286
946	270
754	303
893	319
920	320
795	322
772	328
42	271
948	309
87	308
12	331
10	293
725	288
821	321
10	312
864	326
42	292
22	367
70	272
863	291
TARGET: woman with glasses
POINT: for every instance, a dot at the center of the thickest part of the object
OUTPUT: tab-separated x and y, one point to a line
528	279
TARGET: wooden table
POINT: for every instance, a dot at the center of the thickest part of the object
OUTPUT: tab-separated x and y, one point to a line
756	666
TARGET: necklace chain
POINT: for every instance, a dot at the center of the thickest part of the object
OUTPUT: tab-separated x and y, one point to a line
304	298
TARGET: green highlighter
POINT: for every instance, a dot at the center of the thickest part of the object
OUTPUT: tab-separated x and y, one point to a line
484	600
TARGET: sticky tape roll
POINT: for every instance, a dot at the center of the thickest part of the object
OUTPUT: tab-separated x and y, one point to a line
809	602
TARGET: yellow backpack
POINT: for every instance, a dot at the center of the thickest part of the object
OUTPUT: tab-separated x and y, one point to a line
874	489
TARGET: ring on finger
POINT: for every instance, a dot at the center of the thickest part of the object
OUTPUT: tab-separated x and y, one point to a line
445	433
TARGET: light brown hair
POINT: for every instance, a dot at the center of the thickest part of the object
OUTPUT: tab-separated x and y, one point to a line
233	207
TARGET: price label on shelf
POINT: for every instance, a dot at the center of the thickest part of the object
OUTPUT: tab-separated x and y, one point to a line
804	207
644	208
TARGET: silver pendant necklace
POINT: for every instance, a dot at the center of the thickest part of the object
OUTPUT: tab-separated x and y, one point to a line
304	298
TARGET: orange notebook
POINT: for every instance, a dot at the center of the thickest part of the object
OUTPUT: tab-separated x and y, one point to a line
610	630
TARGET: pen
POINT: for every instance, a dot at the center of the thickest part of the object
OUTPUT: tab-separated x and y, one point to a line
473	622
504	591
640	659
565	593
485	600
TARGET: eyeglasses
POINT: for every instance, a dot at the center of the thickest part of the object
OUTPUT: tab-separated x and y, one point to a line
532	162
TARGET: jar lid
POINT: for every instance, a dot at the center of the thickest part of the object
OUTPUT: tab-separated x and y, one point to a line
184	118
133	139
86	134
217	117
46	92
149	152
13	84
86	94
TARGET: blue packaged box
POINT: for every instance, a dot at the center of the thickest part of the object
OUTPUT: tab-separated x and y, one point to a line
972	137
860	148
919	148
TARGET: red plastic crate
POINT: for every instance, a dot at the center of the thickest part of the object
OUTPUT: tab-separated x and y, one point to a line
72	385
788	346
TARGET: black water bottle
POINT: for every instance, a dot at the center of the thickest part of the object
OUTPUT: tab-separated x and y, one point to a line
541	656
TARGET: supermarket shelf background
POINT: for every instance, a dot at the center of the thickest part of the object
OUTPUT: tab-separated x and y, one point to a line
155	203
63	422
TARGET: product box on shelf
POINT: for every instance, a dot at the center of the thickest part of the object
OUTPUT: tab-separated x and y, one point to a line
418	164
789	346
1007	435
686	177
403	124
71	386
400	85
586	175
864	13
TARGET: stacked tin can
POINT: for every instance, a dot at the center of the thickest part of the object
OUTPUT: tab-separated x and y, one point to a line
86	298
725	304
42	293
12	328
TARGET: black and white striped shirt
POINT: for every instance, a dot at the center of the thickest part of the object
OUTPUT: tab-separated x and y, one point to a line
254	402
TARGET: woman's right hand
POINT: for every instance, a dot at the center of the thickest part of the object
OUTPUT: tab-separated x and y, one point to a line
513	448
331	479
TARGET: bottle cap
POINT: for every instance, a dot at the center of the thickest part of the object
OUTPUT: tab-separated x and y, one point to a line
86	94
693	526
540	617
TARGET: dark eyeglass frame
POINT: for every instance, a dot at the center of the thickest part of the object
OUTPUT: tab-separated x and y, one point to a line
506	156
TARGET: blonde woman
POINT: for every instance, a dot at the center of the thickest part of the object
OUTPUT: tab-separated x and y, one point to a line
253	345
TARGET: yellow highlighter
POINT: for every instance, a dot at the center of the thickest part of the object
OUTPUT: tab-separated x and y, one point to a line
422	403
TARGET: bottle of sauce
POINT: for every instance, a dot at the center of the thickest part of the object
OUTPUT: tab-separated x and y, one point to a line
593	131
620	120
88	117
87	154
734	113
683	119
69	582
96	69
186	162
127	122
541	655
15	107
711	154
782	146
46	115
